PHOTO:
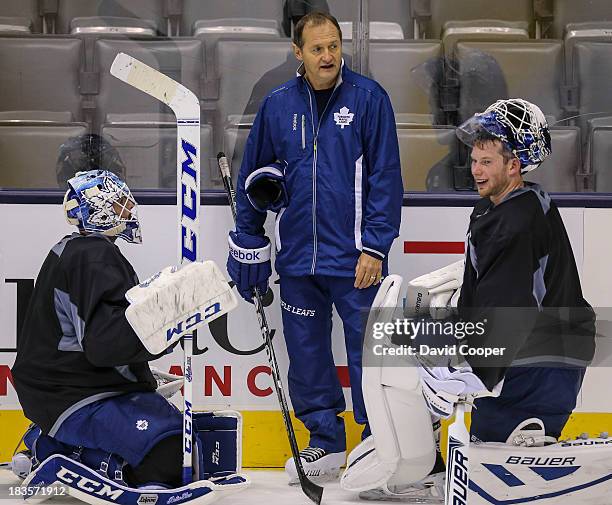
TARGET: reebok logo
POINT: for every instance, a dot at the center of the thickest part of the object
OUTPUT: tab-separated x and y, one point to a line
251	256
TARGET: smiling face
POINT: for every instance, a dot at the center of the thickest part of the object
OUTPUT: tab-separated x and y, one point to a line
495	175
321	53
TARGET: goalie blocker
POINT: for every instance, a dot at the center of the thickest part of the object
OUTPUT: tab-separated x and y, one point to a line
176	301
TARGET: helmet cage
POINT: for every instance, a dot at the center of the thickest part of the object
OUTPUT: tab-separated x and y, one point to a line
98	201
518	124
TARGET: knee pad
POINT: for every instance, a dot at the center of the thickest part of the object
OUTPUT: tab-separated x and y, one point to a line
219	447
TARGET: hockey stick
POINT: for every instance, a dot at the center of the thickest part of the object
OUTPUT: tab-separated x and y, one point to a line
186	107
313	491
457	460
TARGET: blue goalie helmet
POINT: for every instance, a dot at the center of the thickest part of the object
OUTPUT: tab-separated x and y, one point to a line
97	201
519	124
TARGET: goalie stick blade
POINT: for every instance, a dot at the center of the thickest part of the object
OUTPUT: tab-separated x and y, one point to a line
152	82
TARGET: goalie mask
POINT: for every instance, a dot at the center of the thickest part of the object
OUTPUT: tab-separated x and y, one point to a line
98	201
518	124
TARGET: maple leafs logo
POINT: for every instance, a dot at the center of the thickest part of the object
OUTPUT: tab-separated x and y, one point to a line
344	117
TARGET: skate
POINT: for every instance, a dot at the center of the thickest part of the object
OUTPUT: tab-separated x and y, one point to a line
319	465
428	490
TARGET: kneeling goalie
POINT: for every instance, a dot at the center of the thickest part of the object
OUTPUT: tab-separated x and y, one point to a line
520	278
82	373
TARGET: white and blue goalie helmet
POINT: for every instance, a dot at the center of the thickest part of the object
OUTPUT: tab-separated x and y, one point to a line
519	124
98	201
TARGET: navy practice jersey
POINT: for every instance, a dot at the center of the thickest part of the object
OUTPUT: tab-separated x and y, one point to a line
76	346
521	278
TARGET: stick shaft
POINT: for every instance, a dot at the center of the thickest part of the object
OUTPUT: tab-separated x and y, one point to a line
313	491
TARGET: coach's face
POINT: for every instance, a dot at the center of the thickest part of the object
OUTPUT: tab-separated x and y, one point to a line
494	175
321	53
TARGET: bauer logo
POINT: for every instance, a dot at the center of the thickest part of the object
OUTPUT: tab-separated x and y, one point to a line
458	485
189	201
147	499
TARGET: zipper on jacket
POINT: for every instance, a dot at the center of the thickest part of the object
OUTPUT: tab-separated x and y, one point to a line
303	132
314	174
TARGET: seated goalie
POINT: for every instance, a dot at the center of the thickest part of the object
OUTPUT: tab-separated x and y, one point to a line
81	371
520	279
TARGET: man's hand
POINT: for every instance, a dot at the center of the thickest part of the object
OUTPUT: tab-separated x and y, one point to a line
368	271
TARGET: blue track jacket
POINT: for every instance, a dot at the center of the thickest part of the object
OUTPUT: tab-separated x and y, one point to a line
342	173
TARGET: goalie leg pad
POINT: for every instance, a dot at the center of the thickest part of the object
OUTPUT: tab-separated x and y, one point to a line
220	436
86	485
565	473
402	436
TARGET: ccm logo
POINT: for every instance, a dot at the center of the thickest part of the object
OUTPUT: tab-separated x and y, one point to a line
189	202
193	320
88	485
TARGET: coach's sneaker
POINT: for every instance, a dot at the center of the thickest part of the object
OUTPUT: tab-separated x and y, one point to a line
427	490
319	464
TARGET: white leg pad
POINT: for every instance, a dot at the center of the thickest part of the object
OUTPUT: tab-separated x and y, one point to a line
402	440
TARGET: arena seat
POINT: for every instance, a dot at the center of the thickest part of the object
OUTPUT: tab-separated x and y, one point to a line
493	70
15	25
378	30
427	155
135	9
194	10
234	141
566	12
40	73
24	9
558	172
399	67
489	30
180	59
147	147
30	149
464	10
600	149
210	31
246	73
396	11
99	26
592	71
